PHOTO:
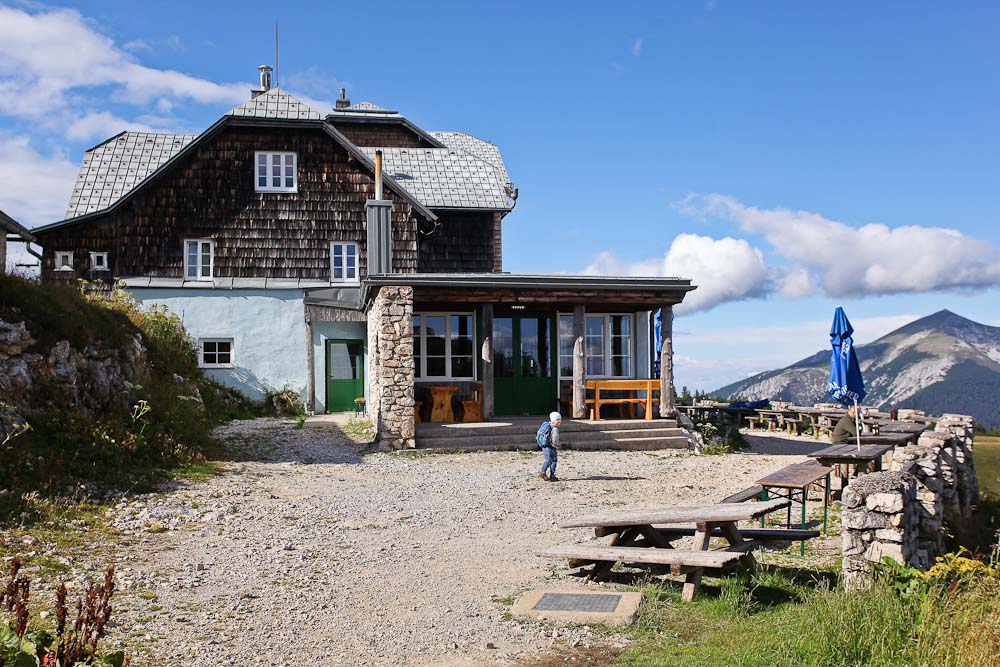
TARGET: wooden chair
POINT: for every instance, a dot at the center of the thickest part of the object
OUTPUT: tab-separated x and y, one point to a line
472	410
359	405
416	411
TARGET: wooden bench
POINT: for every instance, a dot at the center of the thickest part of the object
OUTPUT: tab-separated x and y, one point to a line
750	493
759	534
472	410
675	557
649	386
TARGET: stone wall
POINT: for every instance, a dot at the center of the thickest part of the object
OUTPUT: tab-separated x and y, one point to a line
918	509
390	360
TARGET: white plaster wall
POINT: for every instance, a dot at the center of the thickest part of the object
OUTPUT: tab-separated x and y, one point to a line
322	332
267	327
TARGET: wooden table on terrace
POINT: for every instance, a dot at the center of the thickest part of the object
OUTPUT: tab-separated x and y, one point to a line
632	387
868	456
645	536
441	410
797	477
902	427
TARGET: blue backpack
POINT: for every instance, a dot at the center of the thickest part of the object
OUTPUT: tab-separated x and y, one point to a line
544	435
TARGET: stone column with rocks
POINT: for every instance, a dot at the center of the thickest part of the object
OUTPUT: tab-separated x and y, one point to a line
879	519
391	369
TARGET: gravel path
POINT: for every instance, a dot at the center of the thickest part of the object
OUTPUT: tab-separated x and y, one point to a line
306	550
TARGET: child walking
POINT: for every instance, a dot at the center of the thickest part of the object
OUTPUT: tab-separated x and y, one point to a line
548	439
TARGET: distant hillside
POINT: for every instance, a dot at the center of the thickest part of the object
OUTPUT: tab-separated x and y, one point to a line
939	363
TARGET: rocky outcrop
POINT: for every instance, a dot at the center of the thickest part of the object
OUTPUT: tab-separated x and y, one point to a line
93	380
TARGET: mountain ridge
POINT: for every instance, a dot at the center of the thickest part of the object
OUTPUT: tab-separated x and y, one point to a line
942	362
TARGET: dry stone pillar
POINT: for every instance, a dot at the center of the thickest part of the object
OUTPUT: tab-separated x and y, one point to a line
391	369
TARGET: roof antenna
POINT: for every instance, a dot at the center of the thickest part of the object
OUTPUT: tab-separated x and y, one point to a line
276	53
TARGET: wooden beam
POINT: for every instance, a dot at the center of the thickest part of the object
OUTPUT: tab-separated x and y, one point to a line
667	407
311	363
487	355
579	363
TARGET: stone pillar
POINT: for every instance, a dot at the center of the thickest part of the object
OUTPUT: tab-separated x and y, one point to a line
879	519
579	363
487	355
667	407
391	376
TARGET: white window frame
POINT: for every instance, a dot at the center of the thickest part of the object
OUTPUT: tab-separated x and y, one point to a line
64	265
211	260
607	347
422	360
201	352
356	278
104	261
269	161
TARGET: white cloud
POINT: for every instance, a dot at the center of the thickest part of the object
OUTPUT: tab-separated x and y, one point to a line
820	255
873	259
36	187
102	124
637	47
724	269
55	66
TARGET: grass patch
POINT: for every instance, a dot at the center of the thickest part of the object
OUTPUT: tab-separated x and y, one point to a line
987	459
359	429
196	471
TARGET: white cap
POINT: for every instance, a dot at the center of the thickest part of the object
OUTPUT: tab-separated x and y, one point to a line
553	416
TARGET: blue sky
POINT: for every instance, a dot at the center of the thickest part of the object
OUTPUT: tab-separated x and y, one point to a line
747	145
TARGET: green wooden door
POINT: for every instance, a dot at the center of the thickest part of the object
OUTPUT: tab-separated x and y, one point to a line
345	374
524	364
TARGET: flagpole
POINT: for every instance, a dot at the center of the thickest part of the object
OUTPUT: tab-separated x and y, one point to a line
857	423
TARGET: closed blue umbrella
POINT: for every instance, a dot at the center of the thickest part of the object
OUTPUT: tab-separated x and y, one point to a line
846	384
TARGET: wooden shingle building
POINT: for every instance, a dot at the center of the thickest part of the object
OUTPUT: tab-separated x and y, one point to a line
344	255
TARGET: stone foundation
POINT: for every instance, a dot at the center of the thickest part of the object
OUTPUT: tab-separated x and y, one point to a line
390	361
916	511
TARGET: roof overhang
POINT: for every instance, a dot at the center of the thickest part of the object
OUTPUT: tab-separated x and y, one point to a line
625	293
241	121
375	118
11	226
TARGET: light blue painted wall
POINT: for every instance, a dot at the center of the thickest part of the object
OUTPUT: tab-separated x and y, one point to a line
323	331
267	327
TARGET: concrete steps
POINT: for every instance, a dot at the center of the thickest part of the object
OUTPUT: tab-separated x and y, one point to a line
519	434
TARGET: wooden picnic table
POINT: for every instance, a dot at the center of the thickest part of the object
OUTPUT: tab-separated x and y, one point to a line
441	410
901	427
797	477
863	458
639	536
633	387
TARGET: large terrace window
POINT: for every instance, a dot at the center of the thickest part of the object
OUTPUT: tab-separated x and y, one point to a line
443	346
608	344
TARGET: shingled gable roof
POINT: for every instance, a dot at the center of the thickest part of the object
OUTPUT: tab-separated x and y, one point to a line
279	110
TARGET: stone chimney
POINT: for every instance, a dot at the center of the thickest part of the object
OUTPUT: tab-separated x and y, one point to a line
342	102
265	81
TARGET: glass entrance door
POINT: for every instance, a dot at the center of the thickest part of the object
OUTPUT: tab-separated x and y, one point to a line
524	377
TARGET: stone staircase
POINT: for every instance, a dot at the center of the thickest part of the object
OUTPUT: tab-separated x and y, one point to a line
518	433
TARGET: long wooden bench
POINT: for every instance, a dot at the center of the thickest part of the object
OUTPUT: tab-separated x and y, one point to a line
597	386
750	493
593	553
671	533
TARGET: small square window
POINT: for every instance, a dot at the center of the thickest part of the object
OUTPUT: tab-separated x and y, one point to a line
343	262
276	172
64	260
98	261
216	352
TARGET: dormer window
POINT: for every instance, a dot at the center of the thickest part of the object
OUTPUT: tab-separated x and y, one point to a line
343	262
98	261
64	260
198	259
276	172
